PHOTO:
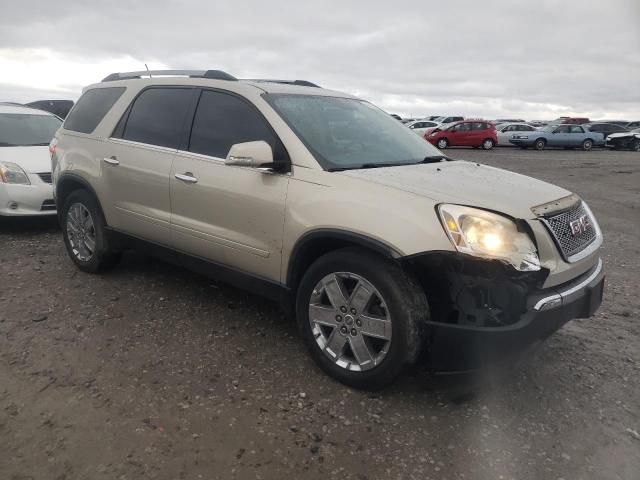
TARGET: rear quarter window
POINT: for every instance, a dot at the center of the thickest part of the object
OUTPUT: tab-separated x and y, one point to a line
91	108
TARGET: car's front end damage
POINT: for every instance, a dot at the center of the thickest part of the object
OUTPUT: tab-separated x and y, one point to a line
485	310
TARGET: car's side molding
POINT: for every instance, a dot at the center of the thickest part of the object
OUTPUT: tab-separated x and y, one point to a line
330	236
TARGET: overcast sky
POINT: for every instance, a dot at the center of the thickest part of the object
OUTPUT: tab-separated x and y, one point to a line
538	59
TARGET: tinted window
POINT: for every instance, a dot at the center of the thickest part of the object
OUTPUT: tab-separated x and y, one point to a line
525	128
463	127
478	126
91	109
157	117
222	120
22	130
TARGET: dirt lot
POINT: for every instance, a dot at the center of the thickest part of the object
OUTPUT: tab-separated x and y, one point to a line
151	371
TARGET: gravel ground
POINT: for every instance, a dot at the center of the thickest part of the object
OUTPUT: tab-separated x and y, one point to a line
151	371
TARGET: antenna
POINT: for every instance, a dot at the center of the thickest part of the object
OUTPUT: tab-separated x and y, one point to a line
145	66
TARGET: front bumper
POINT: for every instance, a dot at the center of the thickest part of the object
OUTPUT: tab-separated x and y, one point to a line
463	348
26	200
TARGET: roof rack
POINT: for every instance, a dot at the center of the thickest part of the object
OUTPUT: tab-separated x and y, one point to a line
212	74
302	83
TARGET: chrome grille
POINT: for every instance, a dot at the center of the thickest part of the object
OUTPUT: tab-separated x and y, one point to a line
45	177
569	243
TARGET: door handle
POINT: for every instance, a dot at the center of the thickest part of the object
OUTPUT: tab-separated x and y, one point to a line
186	177
111	160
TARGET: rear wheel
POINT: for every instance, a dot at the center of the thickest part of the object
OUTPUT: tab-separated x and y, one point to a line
84	233
361	316
487	144
540	144
587	145
443	143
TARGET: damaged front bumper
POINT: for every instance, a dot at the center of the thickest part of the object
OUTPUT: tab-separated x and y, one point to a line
491	316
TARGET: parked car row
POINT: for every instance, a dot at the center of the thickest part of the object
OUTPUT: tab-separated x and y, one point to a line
566	132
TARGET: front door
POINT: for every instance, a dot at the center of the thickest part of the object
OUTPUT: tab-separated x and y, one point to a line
227	214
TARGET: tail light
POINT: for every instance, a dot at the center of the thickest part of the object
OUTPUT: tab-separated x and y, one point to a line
52	145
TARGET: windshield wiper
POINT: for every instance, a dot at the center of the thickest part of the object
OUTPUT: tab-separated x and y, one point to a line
435	159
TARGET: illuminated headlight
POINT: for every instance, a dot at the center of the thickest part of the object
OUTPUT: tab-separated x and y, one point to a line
12	173
485	234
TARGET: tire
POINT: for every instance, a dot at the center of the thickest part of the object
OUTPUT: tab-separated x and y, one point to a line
442	143
636	146
540	144
396	313
84	233
587	145
487	144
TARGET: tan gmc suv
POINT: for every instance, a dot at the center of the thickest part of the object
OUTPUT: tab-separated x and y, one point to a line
385	249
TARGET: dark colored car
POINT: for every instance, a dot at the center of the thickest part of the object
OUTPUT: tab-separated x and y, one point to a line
624	141
469	133
605	128
571	120
633	125
59	108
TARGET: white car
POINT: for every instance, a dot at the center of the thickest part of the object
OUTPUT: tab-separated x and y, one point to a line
505	131
421	126
25	162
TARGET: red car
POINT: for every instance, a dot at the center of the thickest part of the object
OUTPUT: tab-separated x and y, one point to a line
468	133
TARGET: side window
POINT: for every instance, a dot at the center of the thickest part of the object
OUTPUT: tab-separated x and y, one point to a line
526	128
93	105
576	129
562	129
222	120
464	127
157	117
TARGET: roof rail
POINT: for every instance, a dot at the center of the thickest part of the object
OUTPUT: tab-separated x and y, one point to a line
302	83
212	74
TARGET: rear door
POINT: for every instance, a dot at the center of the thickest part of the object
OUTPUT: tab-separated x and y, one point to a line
228	214
137	163
577	135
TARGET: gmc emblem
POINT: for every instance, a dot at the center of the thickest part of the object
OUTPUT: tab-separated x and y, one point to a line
580	225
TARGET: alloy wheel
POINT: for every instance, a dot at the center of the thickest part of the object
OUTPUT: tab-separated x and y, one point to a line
350	321
81	232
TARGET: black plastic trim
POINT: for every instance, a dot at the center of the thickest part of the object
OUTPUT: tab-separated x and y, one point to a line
218	271
334	234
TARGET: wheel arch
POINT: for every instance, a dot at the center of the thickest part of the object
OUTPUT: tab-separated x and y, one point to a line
68	183
312	245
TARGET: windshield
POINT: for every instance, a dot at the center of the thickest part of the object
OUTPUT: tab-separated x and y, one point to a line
22	130
346	133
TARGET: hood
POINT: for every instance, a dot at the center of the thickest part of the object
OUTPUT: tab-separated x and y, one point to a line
623	134
31	159
467	183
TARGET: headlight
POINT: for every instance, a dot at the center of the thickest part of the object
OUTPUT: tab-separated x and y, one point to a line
485	234
12	173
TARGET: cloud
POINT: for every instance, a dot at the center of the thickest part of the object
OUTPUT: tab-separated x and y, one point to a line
486	58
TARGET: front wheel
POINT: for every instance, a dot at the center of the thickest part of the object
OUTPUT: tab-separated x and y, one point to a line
84	233
487	144
540	144
443	143
361	316
587	145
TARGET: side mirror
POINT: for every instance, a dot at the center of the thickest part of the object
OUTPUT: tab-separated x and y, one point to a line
251	154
